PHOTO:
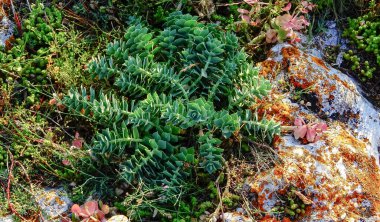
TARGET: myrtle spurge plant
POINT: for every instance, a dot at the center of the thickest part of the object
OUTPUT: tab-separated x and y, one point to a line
174	98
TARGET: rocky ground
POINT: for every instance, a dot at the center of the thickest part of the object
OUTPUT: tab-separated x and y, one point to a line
336	178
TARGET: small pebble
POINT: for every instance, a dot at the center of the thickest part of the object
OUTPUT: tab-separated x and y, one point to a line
240	210
119	191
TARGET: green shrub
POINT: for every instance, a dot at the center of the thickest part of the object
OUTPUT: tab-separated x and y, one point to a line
174	98
107	15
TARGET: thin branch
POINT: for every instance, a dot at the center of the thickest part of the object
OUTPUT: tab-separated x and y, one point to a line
10	176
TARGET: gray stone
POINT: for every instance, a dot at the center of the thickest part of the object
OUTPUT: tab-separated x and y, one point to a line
330	37
235	217
7	219
118	218
53	202
338	165
6	30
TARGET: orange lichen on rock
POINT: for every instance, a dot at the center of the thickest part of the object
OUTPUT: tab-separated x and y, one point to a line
345	137
9	42
335	77
275	108
269	69
290	52
319	62
339	177
300	82
338	174
268	218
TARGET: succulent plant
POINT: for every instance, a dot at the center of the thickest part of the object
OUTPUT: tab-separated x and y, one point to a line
90	212
312	131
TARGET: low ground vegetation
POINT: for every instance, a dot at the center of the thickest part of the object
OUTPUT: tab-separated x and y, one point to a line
144	108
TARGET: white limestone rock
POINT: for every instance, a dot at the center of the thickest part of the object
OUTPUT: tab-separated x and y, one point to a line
118	218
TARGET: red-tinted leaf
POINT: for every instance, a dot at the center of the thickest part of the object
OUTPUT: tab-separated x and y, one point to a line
251	2
300	131
61	106
40	140
288	22
312	6
52	102
299	121
308	5
246	18
271	36
311	134
320	127
311	131
301	20
100	215
317	137
285	21
91	207
17	21
105	209
243	11
304	10
256	22
305	3
287	7
66	162
77	142
296	39
65	219
76	209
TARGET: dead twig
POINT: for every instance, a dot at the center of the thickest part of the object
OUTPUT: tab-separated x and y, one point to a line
10	176
25	174
16	18
27	2
222	195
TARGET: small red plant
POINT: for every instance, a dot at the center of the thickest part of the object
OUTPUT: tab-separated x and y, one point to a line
282	20
77	141
311	131
90	212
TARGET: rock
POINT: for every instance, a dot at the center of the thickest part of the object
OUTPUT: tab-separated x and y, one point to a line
240	210
7	219
332	94
119	191
6	29
118	218
339	174
53	203
235	217
330	38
